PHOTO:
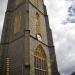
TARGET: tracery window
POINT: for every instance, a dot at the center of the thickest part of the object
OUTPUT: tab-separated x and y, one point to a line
40	64
17	21
37	23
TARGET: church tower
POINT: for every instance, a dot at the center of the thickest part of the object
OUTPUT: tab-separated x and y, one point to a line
27	45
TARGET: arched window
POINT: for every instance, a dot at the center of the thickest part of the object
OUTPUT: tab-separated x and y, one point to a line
17	21
37	23
40	63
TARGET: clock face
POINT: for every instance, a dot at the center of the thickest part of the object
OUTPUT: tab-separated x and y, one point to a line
39	37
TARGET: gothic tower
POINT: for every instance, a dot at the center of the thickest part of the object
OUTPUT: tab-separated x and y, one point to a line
27	45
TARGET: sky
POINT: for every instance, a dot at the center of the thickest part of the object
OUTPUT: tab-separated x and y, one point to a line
63	34
63	31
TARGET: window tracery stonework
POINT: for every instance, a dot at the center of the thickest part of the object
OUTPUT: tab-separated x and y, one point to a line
35	2
40	64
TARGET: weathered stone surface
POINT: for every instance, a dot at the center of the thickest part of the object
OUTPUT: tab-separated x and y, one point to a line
20	47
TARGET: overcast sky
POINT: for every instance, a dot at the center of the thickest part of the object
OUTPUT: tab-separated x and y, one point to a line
63	34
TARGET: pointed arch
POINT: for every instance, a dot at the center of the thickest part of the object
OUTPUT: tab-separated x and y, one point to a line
40	61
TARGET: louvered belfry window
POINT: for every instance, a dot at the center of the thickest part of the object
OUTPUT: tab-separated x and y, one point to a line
40	63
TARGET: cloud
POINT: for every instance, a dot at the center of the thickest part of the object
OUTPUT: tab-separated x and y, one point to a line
64	35
3	4
66	52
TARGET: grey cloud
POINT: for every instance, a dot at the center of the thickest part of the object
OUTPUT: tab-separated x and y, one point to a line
65	50
64	41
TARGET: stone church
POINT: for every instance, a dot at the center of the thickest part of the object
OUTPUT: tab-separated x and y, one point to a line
26	43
